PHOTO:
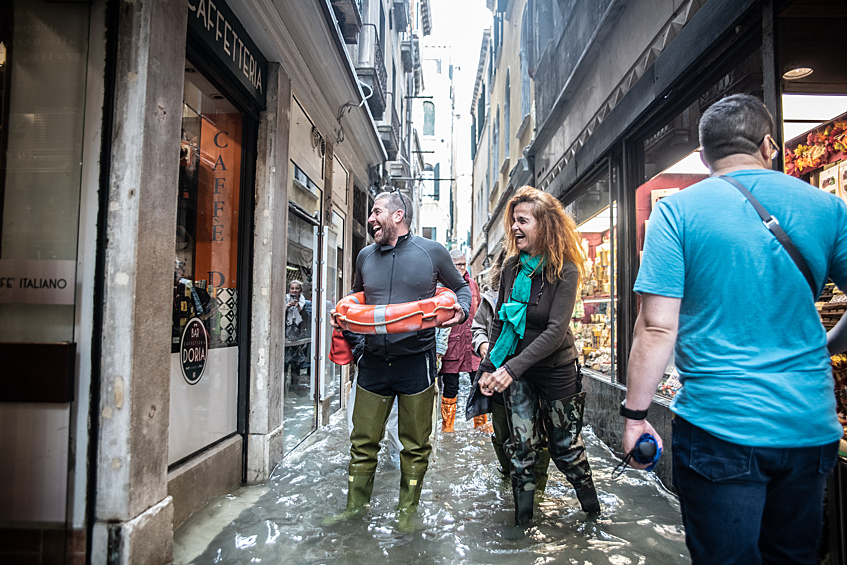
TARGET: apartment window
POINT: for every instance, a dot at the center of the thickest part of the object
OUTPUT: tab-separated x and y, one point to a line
381	28
480	110
507	113
498	34
495	146
473	139
428	233
394	88
544	27
429	118
436	186
438	66
526	62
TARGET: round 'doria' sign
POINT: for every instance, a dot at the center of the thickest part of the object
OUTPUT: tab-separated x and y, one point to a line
193	351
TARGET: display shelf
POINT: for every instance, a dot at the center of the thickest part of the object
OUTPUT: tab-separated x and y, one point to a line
597	298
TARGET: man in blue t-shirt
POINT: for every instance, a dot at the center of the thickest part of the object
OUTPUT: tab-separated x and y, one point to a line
755	432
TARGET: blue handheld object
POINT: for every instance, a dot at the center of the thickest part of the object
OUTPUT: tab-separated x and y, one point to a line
647	451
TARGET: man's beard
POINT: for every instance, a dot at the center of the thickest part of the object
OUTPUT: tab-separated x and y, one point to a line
385	234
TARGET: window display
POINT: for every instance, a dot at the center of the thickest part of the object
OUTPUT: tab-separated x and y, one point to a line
204	331
593	322
819	156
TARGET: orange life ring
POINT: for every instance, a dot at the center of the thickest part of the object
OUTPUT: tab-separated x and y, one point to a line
353	314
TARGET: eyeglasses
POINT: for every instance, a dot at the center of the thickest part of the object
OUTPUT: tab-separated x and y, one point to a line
402	201
774	148
461	264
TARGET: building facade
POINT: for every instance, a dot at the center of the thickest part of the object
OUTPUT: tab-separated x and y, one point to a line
434	113
503	115
184	186
619	86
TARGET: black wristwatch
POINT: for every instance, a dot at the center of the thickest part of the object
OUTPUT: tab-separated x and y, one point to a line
632	414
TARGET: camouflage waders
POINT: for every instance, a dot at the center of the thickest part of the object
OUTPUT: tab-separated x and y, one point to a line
501	436
562	419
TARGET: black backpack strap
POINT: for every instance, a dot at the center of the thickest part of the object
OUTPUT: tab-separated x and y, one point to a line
773	225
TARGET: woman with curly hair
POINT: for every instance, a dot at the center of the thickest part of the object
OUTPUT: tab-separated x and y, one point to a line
533	359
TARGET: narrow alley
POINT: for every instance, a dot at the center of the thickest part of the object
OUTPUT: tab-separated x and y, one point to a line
466	513
520	189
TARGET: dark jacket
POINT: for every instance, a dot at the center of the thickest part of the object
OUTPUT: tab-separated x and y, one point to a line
460	356
483	319
548	340
407	272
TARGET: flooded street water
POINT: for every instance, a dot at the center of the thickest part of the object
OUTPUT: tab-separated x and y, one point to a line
466	513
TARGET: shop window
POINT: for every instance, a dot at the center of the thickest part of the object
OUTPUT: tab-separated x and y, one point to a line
205	332
43	71
594	319
672	158
43	54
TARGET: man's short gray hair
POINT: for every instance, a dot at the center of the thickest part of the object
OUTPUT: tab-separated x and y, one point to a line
398	201
734	125
457	254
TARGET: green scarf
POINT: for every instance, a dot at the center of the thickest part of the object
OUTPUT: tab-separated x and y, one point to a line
513	311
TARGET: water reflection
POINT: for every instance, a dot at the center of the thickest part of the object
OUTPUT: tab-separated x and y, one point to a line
465	513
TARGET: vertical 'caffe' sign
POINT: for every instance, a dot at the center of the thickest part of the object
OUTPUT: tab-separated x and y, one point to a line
193	351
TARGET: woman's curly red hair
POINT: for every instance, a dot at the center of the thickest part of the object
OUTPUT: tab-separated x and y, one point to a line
557	236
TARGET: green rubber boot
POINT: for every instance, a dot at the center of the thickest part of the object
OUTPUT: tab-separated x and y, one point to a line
369	416
414	429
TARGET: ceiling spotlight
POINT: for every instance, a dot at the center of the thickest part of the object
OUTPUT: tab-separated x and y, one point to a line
216	96
799	72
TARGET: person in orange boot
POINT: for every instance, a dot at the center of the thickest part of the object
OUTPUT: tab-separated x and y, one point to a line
441	336
460	357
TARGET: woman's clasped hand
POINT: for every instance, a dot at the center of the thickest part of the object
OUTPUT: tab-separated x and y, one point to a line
498	381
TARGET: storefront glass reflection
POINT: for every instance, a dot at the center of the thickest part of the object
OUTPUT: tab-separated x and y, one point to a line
672	160
302	307
333	373
44	53
204	368
594	316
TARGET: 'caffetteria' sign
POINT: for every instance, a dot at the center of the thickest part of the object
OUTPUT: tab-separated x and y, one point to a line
214	23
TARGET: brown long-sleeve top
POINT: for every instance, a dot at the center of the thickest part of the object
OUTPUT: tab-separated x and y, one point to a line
548	340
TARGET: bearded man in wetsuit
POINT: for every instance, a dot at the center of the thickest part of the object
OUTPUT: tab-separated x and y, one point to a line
399	267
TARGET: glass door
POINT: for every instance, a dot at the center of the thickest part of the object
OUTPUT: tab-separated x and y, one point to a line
302	307
330	389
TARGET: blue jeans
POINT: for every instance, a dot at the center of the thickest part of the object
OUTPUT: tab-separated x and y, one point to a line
749	505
